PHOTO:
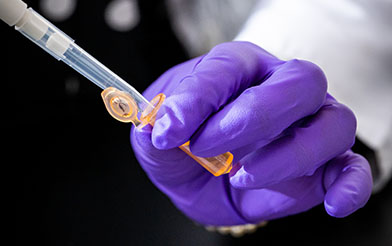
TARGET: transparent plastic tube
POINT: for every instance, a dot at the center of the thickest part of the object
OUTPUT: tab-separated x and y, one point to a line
63	48
99	74
122	101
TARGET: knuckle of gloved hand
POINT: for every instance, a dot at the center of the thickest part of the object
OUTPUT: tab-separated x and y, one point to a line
236	47
348	120
311	75
346	125
244	56
256	110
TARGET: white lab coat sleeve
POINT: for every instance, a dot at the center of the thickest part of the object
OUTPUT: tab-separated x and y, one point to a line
351	41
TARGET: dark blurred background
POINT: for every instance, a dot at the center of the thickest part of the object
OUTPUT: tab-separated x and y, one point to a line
72	172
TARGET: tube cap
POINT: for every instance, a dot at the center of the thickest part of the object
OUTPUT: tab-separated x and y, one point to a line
12	11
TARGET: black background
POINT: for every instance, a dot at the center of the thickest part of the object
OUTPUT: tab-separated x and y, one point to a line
71	170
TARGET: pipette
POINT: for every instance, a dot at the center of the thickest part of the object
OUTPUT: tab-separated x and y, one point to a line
122	101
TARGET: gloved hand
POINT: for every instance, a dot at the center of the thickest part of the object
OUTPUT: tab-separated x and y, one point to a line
291	140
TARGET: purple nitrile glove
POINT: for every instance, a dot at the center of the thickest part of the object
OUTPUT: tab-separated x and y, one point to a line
291	141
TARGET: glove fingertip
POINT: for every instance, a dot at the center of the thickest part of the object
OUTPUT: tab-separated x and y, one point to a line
352	185
342	205
163	136
159	141
336	211
343	199
141	138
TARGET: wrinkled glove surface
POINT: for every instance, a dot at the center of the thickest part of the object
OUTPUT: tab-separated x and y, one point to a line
290	139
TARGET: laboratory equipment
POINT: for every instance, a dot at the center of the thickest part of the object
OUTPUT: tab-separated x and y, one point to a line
122	101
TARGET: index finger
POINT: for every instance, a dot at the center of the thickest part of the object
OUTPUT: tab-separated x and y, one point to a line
217	79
